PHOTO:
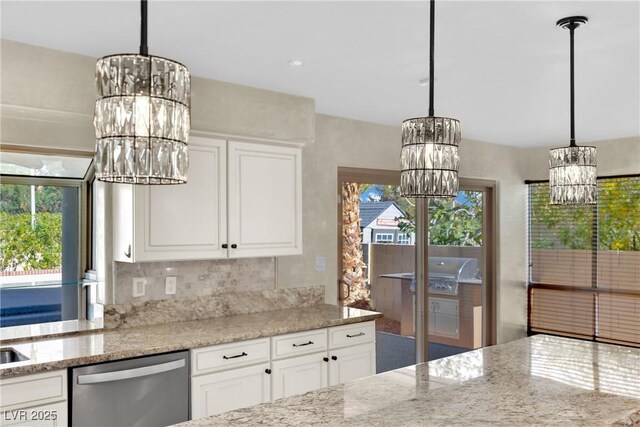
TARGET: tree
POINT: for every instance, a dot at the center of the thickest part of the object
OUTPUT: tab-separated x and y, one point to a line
573	227
28	248
457	221
15	198
23	245
452	222
353	266
619	214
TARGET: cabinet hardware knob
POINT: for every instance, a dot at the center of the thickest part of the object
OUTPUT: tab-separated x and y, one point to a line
128	252
225	246
356	335
326	359
334	357
234	246
268	371
236	356
302	345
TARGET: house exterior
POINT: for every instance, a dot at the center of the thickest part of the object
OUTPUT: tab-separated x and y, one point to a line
379	224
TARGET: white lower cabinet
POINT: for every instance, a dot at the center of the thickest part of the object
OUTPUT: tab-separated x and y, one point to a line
228	390
34	400
229	376
242	374
299	375
348	352
350	363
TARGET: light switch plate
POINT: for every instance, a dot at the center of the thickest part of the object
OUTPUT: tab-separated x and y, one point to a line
139	284
170	285
321	263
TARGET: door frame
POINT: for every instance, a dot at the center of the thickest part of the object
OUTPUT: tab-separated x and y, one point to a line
490	211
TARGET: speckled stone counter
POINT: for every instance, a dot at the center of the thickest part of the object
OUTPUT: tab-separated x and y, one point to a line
542	380
57	353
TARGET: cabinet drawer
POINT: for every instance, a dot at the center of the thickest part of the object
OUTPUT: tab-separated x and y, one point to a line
227	356
31	390
298	343
49	415
346	335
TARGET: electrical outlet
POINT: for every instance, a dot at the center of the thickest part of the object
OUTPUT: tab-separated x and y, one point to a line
170	285
321	263
139	284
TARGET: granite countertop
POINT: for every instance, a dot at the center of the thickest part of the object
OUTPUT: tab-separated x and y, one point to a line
541	380
58	353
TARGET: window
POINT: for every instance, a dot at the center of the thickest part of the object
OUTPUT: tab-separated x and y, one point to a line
583	275
384	238
404	239
43	211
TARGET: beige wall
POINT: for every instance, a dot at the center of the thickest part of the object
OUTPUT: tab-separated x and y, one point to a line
339	142
47	100
48	96
615	157
343	142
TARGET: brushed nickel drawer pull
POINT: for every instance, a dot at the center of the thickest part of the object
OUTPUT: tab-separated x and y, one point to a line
236	356
302	345
356	335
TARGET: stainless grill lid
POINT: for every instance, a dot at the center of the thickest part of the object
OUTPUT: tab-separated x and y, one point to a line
450	268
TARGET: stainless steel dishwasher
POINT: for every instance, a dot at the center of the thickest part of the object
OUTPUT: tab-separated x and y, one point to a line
146	391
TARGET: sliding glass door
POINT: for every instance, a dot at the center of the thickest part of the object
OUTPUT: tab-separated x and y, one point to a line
377	254
460	270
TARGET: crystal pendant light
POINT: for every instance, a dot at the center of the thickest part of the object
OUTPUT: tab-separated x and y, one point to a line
572	169
429	157
142	117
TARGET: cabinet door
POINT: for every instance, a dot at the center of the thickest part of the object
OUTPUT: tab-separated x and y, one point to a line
432	317
350	363
446	317
49	415
265	200
186	221
298	375
228	390
34	400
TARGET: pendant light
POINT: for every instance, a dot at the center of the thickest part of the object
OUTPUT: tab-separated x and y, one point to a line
429	157
572	169
142	117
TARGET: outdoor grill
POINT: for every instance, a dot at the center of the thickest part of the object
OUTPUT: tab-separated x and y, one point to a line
446	272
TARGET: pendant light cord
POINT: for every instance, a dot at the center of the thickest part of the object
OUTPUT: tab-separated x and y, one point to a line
573	101
144	50
571	23
431	56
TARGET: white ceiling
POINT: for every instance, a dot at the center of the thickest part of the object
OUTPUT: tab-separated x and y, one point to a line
502	67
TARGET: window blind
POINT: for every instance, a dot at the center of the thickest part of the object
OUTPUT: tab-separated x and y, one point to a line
584	264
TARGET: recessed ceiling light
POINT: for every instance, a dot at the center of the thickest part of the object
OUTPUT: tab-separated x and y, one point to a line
296	63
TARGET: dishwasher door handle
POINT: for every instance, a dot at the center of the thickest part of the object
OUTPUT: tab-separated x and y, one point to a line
130	373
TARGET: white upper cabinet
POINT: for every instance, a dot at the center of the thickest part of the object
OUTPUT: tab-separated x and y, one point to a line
240	200
265	197
175	222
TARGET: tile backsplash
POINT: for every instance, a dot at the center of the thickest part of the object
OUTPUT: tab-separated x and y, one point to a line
194	278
